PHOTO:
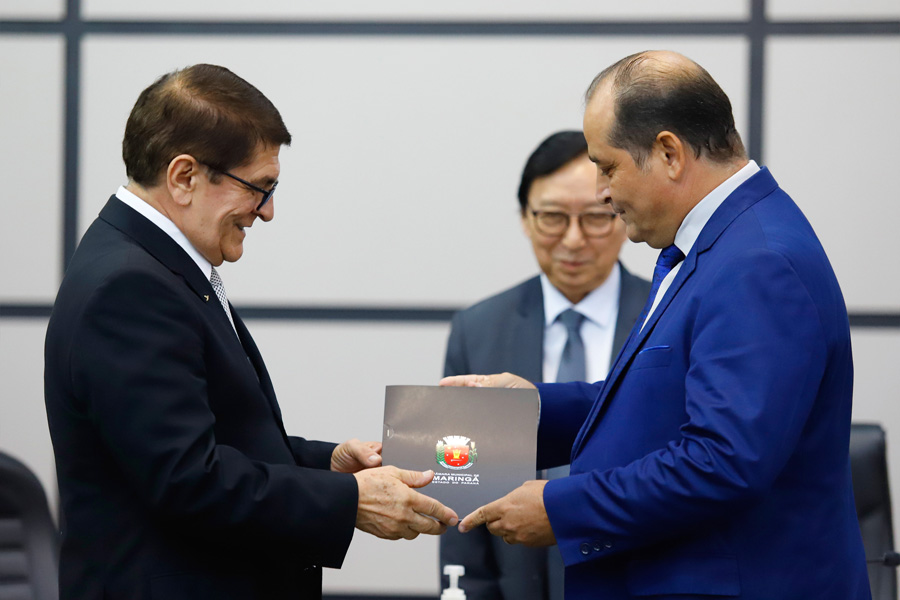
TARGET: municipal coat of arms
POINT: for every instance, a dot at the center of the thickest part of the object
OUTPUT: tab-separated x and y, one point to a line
455	452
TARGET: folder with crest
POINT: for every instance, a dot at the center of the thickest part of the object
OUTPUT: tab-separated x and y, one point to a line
481	443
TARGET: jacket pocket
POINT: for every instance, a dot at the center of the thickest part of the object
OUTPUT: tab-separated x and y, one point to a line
686	574
648	358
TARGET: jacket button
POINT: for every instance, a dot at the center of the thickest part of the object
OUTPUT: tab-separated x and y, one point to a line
585	549
597	547
607	544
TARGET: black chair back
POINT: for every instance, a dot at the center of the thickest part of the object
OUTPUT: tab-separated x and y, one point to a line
868	464
29	541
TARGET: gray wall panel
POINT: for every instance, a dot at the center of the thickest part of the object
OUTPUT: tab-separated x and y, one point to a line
400	187
412	10
31	169
831	116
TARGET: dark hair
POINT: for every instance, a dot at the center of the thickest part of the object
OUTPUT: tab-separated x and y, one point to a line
205	111
652	95
551	155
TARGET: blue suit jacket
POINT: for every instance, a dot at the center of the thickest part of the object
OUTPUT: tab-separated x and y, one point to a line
714	459
506	333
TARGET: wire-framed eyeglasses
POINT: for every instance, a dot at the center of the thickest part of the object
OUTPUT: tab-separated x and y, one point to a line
266	194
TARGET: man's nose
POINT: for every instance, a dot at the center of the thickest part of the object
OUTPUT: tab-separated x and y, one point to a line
603	194
267	212
573	238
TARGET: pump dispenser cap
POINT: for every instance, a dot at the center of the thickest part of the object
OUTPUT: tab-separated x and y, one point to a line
453	592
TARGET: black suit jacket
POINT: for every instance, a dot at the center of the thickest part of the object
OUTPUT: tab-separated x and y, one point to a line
506	333
176	477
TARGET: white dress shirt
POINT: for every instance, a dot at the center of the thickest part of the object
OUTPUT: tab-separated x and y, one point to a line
600	308
166	224
696	220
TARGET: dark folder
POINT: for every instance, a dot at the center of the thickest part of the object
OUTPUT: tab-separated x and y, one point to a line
481	443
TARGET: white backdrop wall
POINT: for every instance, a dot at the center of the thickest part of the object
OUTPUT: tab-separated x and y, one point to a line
399	190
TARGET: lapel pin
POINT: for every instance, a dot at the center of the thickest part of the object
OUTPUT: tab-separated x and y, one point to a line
206	297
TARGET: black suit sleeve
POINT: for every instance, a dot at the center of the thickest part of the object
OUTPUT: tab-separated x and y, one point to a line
139	374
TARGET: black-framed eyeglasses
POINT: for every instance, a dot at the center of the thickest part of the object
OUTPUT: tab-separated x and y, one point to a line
266	194
592	224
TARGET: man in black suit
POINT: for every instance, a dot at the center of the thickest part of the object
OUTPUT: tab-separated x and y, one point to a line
576	240
177	479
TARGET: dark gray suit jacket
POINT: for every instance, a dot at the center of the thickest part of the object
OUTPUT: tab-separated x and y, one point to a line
506	333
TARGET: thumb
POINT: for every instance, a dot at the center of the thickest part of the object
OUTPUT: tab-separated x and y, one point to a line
415	479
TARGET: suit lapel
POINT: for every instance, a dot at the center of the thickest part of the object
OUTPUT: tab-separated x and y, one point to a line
162	247
256	363
526	340
158	243
632	297
750	192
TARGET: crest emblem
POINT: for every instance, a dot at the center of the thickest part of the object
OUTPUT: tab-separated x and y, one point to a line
455	452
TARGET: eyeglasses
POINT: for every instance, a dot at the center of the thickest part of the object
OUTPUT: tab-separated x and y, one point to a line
266	194
593	224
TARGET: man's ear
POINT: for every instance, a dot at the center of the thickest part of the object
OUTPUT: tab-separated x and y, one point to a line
671	150
183	178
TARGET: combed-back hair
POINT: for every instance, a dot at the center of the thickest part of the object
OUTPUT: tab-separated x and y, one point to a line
551	155
651	95
205	111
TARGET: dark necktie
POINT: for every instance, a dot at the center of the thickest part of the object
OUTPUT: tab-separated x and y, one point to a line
571	363
668	258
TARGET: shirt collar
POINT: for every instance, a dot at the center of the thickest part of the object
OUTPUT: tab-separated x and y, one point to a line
598	306
166	224
696	220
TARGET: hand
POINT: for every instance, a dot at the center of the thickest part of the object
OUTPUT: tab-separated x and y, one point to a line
518	517
389	509
354	455
500	380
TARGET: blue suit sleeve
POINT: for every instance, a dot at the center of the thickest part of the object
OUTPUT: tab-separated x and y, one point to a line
564	407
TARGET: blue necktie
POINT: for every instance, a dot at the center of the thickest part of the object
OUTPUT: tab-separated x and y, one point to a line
571	363
668	258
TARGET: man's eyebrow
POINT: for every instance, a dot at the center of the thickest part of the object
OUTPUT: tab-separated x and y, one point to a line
266	182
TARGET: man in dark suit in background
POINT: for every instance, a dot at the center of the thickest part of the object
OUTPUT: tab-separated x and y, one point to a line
576	240
177	479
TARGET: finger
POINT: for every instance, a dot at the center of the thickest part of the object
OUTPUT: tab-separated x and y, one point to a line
415	479
432	508
427	525
474	519
460	381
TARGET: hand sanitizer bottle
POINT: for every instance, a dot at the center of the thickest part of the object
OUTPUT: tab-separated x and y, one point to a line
453	592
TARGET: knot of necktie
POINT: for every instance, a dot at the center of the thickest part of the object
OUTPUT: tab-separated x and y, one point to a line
669	257
571	319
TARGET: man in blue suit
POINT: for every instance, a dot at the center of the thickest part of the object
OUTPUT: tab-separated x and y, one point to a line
576	240
713	460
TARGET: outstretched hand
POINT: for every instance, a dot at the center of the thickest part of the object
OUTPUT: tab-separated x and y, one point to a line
518	517
389	508
354	455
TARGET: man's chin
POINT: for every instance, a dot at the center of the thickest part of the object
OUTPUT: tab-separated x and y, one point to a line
233	254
